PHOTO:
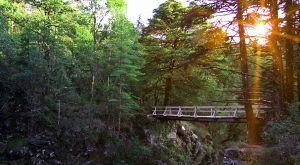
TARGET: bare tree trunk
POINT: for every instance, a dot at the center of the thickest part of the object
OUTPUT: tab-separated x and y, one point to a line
277	62
298	57
120	93
289	53
12	26
251	121
92	85
93	68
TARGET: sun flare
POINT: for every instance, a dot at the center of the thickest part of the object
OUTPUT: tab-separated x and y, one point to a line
260	29
259	32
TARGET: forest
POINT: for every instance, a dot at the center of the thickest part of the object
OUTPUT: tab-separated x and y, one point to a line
79	80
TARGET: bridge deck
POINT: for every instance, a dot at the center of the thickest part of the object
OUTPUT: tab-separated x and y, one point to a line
235	114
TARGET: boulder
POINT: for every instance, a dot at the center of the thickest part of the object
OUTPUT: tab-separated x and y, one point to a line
194	137
181	130
184	133
149	136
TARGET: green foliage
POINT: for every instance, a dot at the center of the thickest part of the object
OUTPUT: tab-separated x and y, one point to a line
51	51
16	142
283	139
271	156
182	47
138	151
47	117
117	6
132	152
170	48
122	60
287	127
294	159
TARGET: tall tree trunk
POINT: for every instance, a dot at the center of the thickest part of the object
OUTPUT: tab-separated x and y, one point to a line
298	72
277	62
92	84
251	121
168	89
289	52
298	54
12	26
120	92
11	23
298	77
93	68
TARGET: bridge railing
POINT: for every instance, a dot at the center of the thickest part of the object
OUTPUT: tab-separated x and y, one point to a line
207	111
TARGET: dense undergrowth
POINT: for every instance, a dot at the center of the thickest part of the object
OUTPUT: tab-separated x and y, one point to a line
282	139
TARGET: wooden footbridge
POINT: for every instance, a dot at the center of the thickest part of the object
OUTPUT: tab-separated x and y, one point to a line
235	114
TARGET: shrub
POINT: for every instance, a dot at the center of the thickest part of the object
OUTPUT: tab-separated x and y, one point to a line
130	151
287	128
284	136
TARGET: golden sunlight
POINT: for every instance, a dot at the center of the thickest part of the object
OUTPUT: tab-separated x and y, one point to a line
259	32
260	29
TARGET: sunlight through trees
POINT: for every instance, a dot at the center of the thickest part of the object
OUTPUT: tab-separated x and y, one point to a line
83	77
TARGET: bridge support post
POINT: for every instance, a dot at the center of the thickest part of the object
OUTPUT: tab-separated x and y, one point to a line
165	112
154	112
214	113
179	113
235	112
